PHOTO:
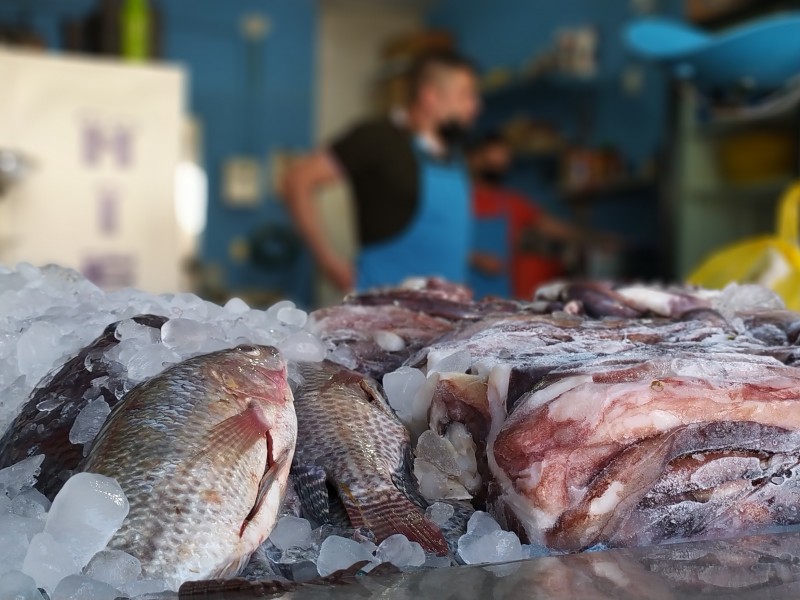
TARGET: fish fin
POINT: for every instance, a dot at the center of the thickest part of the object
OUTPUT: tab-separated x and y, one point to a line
387	512
236	434
269	479
310	485
231	569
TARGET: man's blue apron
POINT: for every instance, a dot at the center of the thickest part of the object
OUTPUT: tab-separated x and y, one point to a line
438	240
491	235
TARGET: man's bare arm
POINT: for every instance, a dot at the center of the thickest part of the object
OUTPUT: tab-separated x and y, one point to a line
302	181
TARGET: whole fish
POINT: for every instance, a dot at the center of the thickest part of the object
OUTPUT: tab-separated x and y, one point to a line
202	452
44	423
350	440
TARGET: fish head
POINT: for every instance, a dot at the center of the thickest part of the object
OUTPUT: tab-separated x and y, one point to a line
254	379
252	372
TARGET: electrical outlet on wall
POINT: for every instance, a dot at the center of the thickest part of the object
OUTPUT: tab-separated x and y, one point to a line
632	79
241	182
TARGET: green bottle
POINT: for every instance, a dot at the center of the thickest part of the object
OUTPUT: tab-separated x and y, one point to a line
136	29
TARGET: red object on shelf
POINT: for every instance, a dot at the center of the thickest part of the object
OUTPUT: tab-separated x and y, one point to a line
531	271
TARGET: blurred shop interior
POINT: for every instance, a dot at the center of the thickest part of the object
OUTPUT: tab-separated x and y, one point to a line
145	143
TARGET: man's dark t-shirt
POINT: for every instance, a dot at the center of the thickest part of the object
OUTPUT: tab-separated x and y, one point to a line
379	161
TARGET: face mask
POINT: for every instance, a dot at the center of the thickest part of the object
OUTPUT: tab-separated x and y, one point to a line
492	175
453	133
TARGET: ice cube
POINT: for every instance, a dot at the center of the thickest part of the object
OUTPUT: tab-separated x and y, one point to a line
292	316
389	341
86	513
89	421
28	526
271	314
435	485
494	547
38	348
343	355
48	562
291	532
15	585
236	306
440	513
114	567
30	504
337	553
130	330
457	362
81	587
150	361
13	547
21	475
186	335
401	388
439	452
482	523
465	449
302	346
396	549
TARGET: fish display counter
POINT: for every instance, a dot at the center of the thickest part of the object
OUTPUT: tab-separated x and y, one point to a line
595	441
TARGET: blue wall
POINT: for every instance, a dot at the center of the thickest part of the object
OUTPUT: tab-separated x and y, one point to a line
509	33
248	103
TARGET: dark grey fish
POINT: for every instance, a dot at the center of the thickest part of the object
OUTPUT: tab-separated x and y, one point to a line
202	452
351	445
43	425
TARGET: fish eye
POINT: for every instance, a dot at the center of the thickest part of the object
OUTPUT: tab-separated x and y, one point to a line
248	349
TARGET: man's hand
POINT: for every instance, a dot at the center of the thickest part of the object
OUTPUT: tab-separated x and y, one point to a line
340	272
488	264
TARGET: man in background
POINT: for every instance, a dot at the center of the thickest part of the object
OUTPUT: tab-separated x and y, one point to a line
409	181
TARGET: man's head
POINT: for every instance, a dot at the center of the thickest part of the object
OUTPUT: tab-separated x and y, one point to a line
490	158
444	87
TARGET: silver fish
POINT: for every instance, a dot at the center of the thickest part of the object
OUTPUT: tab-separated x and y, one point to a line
202	452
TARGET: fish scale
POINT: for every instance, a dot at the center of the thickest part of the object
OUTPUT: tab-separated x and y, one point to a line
192	492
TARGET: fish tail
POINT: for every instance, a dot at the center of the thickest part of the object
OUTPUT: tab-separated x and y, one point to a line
390	513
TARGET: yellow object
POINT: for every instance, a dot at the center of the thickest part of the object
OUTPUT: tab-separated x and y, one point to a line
772	261
756	156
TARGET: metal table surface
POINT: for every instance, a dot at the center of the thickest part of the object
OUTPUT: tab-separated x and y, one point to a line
752	568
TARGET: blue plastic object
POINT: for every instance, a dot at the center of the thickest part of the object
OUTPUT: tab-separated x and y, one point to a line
762	55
